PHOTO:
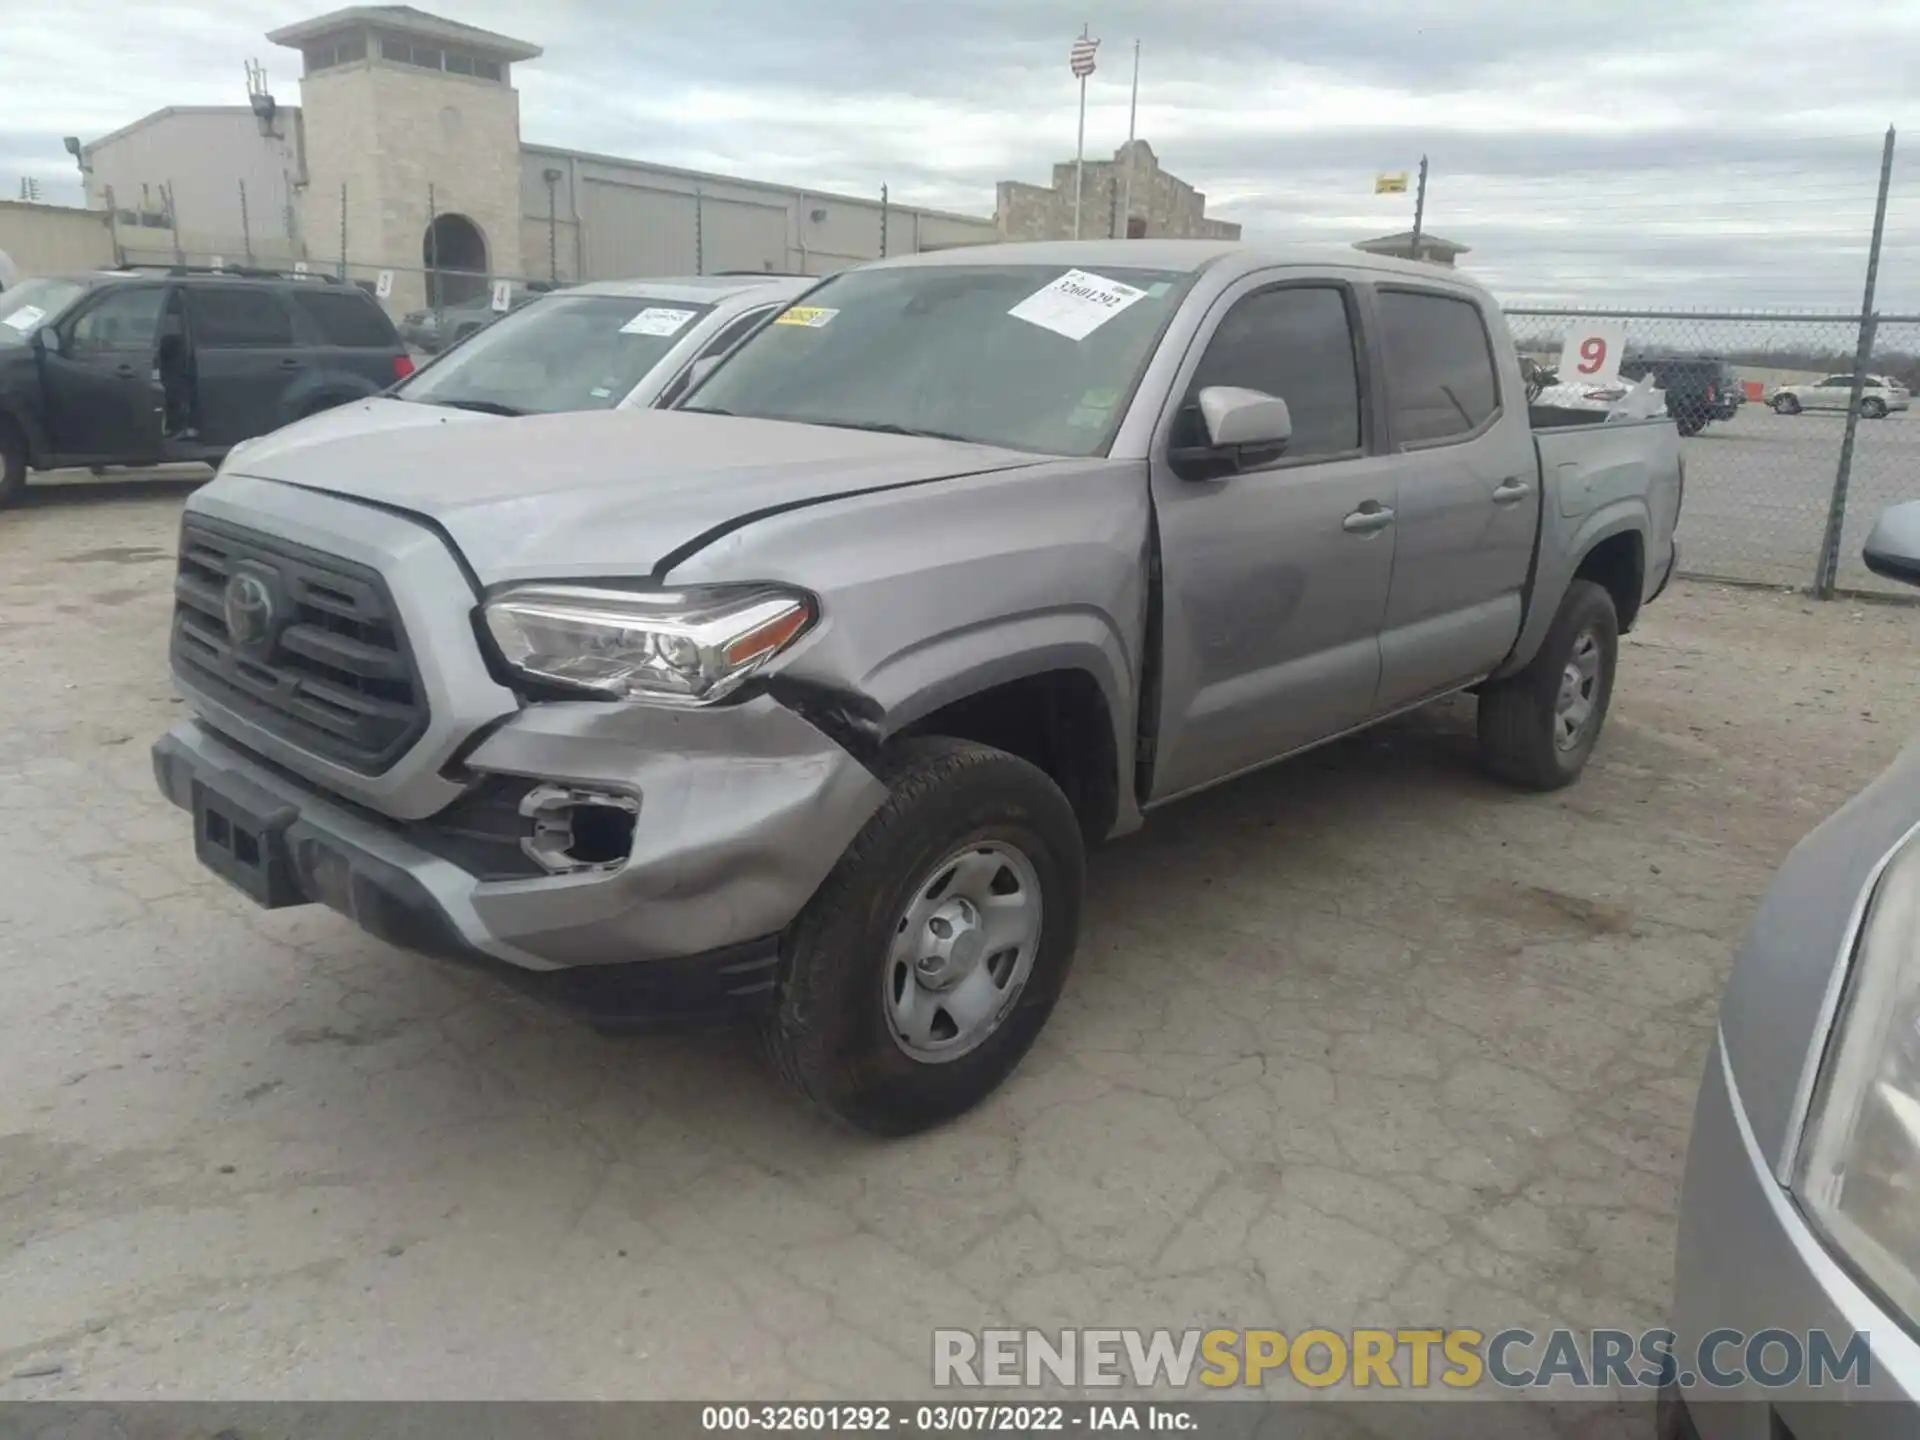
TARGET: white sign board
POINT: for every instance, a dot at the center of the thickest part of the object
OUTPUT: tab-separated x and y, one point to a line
657	320
503	294
299	267
25	318
1077	304
1593	351
219	262
383	284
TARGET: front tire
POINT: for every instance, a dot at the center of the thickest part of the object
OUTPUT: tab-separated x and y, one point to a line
1785	405
1538	726
1873	409
927	963
13	465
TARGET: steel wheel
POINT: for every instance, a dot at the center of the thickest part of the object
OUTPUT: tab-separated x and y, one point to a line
1579	685
962	951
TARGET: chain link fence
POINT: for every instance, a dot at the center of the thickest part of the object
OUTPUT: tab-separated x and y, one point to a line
1764	467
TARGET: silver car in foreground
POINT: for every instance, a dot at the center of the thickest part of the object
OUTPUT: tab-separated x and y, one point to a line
1797	1268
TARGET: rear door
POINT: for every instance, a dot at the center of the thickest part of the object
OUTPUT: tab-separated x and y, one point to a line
1469	493
246	358
1274	578
350	341
103	402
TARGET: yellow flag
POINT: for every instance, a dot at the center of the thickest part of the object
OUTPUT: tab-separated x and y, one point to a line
1390	184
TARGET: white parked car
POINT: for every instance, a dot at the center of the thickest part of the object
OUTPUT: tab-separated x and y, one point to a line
1621	399
1880	396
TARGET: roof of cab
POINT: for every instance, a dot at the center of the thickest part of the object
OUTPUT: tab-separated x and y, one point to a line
1182	255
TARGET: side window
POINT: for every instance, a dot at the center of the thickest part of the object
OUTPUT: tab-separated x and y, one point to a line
1296	343
1441	382
345	318
1837	382
122	319
231	316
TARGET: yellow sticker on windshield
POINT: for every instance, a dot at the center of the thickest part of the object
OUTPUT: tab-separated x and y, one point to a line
811	316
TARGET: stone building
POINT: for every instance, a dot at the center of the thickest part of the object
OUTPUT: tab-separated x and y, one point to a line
405	155
1163	205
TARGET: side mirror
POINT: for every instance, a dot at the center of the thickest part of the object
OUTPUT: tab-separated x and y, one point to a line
689	380
1893	549
46	338
1244	419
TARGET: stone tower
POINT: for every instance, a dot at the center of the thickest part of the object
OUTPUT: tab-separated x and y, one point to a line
405	109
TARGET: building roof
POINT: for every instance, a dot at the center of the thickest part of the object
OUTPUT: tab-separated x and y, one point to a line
1398	244
405	20
169	111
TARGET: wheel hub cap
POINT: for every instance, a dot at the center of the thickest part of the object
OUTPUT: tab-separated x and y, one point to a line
1579	692
962	951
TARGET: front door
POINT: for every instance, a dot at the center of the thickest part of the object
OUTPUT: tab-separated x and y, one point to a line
1833	393
1469	495
103	403
1275	578
245	359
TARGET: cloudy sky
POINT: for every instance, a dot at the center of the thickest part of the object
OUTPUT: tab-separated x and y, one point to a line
1669	152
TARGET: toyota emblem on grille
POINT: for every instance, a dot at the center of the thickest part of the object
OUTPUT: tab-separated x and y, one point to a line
248	607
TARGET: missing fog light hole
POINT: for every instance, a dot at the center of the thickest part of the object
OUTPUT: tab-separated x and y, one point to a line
575	830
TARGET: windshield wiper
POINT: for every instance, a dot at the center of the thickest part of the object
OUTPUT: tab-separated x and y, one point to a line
887	427
483	407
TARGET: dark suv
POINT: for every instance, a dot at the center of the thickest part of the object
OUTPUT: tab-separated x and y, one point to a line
1699	387
146	366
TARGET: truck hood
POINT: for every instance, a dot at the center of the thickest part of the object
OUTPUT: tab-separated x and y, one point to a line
602	493
372	416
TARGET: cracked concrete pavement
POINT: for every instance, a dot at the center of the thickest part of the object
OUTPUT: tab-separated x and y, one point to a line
1364	1039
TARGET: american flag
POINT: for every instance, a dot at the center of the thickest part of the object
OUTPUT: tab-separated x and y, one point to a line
1081	58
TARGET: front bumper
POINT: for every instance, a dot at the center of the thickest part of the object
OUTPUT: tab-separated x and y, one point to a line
1747	1261
743	811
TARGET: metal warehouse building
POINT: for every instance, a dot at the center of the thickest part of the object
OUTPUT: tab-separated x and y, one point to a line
405	155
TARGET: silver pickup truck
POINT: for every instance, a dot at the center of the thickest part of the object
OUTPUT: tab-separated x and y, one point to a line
805	700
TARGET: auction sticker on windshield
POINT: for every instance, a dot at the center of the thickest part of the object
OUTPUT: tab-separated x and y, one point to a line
1077	304
811	316
25	318
657	320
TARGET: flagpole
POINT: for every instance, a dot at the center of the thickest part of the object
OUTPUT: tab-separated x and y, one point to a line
1080	146
1133	111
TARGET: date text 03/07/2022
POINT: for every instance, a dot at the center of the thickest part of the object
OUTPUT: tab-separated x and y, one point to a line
941	1419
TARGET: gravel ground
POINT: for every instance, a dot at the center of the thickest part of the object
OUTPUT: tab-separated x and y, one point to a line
1362	1040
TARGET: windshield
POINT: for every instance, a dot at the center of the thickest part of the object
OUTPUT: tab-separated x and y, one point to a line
31	303
1031	357
564	352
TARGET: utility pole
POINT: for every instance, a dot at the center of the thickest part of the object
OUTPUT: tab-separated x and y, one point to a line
1829	567
883	222
343	232
552	177
246	226
1133	113
1419	210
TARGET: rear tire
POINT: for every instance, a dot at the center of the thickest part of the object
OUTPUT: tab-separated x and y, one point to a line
1873	409
1691	422
837	1033
1538	726
13	465
1785	405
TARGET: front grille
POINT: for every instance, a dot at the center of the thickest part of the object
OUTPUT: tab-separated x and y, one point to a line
322	661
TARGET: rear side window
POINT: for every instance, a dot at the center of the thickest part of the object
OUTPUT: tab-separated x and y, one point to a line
231	316
346	318
1440	376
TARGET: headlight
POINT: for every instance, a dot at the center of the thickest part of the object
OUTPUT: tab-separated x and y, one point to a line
1860	1157
687	647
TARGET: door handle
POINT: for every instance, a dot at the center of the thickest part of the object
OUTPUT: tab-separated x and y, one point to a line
1368	518
1509	491
290	363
